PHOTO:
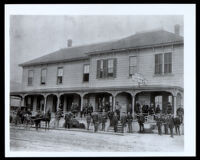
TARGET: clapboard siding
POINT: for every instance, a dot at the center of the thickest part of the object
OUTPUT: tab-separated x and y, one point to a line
72	77
73	71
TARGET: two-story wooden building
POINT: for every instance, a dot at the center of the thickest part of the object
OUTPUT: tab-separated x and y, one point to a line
102	72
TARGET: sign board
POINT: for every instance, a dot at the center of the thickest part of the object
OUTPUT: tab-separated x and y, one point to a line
15	102
139	78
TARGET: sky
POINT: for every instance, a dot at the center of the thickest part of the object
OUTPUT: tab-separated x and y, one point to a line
32	36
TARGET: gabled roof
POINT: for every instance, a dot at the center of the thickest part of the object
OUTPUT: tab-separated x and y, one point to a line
137	40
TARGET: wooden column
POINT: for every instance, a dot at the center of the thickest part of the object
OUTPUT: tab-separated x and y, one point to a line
133	105
58	102
45	103
114	108
22	102
81	102
175	105
65	103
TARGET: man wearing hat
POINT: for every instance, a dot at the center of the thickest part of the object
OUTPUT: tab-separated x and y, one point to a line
171	124
95	119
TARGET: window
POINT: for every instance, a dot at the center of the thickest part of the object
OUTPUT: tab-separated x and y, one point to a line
101	68
30	77
163	63
60	75
158	63
43	76
86	71
132	65
106	68
110	67
168	63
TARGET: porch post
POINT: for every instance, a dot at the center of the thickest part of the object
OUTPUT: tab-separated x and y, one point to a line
175	105
34	103
65	103
81	102
58	102
45	103
22	102
133	104
113	107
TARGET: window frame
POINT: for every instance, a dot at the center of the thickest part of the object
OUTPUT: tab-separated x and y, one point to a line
59	76
159	64
31	70
101	70
169	63
132	65
163	63
45	76
86	73
112	74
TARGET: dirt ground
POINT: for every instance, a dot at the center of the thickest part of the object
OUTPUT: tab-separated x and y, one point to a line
83	141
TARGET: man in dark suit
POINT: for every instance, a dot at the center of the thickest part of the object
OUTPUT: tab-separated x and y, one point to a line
123	120
104	119
141	120
88	119
129	120
95	118
157	109
171	125
68	120
159	124
115	121
169	108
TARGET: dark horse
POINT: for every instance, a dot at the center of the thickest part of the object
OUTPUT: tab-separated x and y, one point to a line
44	117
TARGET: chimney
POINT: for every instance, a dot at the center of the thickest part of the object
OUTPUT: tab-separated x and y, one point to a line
177	29
69	43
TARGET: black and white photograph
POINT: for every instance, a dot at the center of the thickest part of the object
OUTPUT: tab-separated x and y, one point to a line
87	80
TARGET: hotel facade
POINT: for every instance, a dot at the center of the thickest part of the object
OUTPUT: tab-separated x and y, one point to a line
108	72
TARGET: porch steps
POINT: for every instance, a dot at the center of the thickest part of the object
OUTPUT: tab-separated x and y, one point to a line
119	128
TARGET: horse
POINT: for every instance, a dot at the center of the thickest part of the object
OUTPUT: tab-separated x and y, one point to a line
27	121
43	117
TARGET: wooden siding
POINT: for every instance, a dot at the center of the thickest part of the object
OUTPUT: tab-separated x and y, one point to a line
73	71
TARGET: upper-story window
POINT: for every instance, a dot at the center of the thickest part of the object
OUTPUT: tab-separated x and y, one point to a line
110	67
132	65
86	71
30	77
163	63
158	63
60	75
101	69
43	76
106	68
168	63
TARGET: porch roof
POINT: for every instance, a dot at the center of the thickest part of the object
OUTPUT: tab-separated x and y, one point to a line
98	89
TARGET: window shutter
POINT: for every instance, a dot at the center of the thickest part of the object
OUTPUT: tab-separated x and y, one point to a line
105	68
98	68
115	68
